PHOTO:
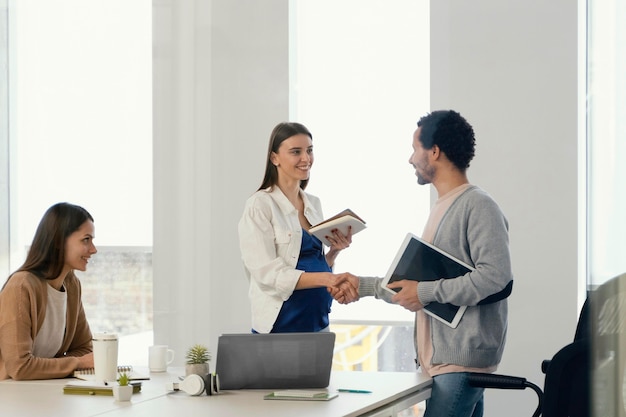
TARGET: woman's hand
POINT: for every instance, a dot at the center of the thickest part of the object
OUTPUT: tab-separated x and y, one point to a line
85	361
339	242
345	289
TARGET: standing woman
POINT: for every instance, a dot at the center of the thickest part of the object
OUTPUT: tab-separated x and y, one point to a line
289	272
43	329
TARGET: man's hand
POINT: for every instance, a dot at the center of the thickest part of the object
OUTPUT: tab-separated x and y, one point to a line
345	288
407	296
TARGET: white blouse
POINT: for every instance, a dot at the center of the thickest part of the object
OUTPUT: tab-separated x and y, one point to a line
50	337
270	237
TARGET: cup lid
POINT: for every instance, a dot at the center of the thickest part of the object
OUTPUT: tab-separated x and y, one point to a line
105	336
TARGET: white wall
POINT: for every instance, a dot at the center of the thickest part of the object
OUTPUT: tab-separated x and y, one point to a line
4	138
511	68
221	84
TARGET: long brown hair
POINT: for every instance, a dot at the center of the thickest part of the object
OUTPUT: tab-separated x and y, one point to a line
280	133
46	256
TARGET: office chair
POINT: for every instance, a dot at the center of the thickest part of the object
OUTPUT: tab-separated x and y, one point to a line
588	374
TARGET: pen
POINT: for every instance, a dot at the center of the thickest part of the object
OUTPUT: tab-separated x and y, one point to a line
354	391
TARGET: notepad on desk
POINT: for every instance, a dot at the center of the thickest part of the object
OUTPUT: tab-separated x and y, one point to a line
94	388
90	374
300	395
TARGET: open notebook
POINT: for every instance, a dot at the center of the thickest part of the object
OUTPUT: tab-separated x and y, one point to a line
89	374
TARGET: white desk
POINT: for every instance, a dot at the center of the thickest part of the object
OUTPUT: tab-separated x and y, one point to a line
46	398
391	393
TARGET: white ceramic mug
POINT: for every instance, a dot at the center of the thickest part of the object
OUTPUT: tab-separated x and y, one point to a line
160	356
105	356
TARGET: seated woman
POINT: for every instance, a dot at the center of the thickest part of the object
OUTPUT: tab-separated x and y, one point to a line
43	329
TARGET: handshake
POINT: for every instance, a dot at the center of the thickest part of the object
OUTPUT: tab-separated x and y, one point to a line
344	288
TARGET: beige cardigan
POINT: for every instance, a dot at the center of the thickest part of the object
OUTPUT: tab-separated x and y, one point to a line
23	304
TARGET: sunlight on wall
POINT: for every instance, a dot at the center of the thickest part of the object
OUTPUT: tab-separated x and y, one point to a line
360	82
83	114
81	111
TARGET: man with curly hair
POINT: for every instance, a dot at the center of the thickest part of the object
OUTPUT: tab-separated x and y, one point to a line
468	224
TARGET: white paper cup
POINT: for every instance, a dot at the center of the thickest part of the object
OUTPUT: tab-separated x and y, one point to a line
105	356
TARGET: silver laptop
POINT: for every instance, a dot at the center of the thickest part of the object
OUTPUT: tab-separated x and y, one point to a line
275	360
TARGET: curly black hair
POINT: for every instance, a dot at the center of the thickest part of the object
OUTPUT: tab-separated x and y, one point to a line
451	133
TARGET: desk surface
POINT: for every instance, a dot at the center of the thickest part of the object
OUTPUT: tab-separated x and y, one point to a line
37	398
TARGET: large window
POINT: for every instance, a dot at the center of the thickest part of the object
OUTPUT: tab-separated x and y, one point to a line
606	139
80	82
360	82
80	90
606	195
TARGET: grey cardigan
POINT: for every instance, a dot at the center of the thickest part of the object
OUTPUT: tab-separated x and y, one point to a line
474	230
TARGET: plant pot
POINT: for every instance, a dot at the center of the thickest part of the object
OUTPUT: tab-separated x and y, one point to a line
201	369
122	393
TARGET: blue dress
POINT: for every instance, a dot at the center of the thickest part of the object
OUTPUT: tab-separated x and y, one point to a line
306	310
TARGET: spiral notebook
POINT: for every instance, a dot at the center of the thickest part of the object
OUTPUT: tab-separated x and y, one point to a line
90	374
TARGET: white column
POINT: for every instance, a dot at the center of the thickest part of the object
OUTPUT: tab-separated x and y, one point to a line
511	68
220	85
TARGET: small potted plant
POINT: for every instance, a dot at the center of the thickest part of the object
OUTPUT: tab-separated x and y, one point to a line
197	360
123	391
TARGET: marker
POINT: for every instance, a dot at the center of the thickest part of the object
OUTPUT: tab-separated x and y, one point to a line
354	391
